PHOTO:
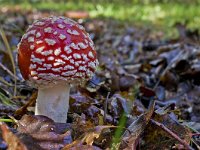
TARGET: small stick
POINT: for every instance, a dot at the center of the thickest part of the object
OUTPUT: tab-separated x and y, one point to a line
106	107
172	134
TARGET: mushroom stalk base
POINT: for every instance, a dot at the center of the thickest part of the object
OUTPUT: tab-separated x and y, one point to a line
53	102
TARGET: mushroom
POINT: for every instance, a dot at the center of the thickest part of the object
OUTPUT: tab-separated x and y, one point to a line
54	53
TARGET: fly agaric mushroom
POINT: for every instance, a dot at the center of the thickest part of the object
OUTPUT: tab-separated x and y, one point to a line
54	53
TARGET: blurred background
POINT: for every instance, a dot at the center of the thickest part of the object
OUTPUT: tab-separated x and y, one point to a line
161	13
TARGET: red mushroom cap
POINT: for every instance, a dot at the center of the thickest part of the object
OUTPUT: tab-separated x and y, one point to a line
55	49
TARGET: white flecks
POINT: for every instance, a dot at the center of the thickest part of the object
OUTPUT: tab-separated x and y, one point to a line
50	58
92	65
40	49
68	67
31	32
69	21
39	42
35	78
31	39
33	73
64	57
38	34
86	41
61	26
33	66
32	47
82	45
85	58
62	36
82	68
73	32
37	60
67	49
55	33
48	30
76	56
58	62
41	69
92	45
96	62
46	53
89	73
25	36
50	41
57	69
48	66
90	55
80	74
81	27
76	64
69	73
39	23
74	46
71	61
57	51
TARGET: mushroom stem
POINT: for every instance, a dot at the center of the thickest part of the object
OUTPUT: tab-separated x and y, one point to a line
53	102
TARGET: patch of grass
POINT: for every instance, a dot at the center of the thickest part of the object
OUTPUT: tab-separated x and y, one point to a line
162	14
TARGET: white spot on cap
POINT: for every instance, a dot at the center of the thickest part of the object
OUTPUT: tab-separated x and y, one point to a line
48	66
33	66
50	41
35	78
67	49
80	27
31	39
64	57
39	23
69	73
48	30
55	33
58	62
32	47
41	69
57	69
61	26
40	49
74	46
33	73
76	64
85	57
39	42
76	56
73	32
50	58
82	68
38	34
57	51
92	65
48	52
68	67
31	32
82	45
90	55
62	37
71	61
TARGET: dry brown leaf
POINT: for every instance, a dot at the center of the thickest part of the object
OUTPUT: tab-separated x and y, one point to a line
11	139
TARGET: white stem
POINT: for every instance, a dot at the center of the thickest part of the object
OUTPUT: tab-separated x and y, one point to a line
53	102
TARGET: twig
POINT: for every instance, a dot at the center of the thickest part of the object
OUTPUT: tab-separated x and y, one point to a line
8	71
172	134
106	107
3	35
